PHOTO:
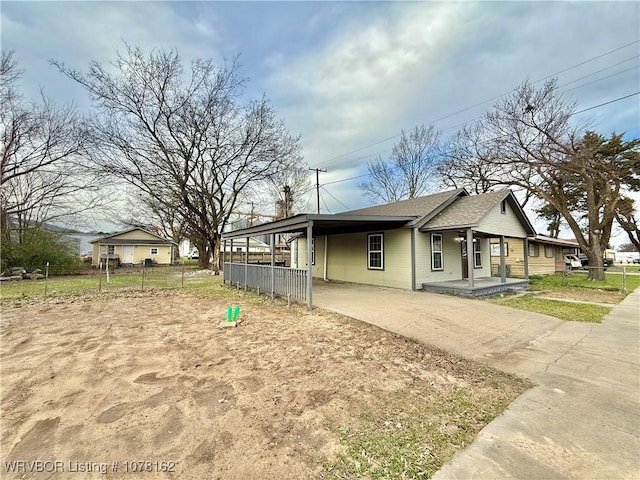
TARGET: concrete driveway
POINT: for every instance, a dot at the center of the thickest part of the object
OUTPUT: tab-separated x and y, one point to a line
582	421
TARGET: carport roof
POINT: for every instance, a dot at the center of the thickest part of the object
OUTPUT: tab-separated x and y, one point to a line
323	224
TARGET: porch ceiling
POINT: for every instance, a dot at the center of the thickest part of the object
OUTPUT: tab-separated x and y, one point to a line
323	225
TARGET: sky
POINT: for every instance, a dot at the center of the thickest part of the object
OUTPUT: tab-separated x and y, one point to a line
349	76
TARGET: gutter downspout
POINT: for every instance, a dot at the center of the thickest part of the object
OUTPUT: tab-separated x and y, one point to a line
413	259
470	256
526	258
309	266
503	267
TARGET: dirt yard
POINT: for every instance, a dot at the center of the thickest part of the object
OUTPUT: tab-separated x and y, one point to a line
88	383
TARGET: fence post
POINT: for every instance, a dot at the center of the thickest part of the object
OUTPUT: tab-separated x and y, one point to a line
624	279
100	278
143	270
182	274
46	278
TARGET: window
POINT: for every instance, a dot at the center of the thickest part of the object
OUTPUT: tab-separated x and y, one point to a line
534	250
154	251
503	207
111	249
548	251
495	249
375	251
436	252
477	253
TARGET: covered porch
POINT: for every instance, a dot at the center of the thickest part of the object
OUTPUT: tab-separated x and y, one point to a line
481	286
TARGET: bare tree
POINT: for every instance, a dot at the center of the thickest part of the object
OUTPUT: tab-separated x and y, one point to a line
43	175
467	161
533	146
410	170
183	138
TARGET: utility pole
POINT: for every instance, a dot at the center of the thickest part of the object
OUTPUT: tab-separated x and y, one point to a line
318	170
287	200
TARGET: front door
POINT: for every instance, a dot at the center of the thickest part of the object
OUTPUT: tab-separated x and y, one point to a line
127	254
465	259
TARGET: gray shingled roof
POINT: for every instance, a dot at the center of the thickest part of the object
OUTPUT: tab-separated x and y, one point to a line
416	207
466	211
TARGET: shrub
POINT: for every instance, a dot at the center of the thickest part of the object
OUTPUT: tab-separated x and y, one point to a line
36	249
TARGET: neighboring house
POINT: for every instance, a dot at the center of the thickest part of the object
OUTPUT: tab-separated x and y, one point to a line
255	246
546	255
132	247
422	243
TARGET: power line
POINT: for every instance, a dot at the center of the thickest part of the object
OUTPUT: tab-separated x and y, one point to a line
606	103
331	195
490	139
503	94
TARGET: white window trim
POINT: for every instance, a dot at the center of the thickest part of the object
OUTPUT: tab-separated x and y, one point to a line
381	251
477	251
152	249
433	252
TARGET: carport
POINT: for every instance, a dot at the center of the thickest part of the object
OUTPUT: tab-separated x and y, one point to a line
294	282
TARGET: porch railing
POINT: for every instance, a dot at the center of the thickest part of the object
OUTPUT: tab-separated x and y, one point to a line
289	282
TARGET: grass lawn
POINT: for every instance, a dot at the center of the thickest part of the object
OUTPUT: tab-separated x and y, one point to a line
578	312
94	283
573	286
614	282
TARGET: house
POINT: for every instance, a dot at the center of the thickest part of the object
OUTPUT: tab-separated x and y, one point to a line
133	247
438	242
545	257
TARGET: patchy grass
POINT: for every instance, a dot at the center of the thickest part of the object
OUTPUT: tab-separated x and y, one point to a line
91	285
577	312
411	435
614	282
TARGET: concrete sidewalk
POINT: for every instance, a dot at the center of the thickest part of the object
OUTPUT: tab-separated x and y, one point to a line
582	421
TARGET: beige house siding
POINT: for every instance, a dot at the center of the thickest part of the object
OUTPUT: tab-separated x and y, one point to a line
538	265
498	223
347	258
140	253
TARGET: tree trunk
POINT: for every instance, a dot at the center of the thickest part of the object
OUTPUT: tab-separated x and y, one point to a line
596	262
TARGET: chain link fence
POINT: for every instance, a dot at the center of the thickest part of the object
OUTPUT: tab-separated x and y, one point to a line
48	280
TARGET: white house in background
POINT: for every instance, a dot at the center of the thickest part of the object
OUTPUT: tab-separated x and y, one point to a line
255	246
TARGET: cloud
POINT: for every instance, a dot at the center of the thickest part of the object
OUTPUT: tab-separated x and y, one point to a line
415	63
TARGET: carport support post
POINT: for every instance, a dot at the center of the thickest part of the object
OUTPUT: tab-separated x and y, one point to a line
273	265
503	267
470	256
246	265
224	258
309	266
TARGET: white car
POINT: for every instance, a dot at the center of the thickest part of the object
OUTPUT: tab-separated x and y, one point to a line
193	254
572	261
